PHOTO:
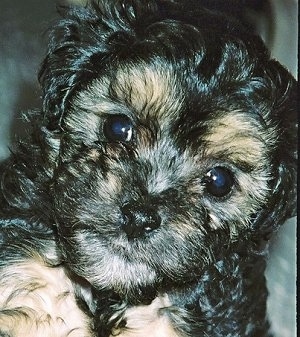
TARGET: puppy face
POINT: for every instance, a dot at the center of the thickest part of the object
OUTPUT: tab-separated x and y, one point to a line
147	180
167	151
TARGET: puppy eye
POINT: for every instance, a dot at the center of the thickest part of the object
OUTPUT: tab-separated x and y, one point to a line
219	181
118	128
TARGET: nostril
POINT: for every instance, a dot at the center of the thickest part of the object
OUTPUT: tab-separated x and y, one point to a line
139	219
127	215
151	221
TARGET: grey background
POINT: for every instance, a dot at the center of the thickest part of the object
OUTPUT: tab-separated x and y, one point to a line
22	46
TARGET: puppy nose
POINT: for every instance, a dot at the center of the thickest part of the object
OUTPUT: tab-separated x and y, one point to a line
139	219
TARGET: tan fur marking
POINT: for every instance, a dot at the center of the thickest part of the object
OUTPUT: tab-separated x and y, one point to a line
142	90
45	296
149	89
148	320
241	136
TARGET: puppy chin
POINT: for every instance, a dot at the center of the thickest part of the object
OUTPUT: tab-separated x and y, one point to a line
131	268
127	279
108	270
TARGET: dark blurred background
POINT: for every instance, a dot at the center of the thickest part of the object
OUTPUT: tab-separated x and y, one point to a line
23	39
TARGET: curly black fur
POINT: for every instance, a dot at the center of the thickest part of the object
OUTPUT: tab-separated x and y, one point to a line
68	185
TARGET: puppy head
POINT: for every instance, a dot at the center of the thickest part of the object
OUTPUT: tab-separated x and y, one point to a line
176	140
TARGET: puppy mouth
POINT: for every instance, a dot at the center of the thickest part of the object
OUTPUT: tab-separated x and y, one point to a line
126	263
132	246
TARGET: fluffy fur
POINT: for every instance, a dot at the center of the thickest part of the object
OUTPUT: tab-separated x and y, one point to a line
161	229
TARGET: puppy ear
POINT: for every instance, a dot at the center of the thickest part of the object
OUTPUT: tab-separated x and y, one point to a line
282	202
66	60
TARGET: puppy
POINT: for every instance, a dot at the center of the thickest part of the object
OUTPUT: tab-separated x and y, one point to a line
159	167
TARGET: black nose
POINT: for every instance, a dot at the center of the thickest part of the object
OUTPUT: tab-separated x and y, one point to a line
139	219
